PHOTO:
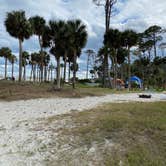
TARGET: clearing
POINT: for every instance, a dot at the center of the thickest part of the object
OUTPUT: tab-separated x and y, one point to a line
126	130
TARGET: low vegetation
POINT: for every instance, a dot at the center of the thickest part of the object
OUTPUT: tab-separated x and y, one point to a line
10	91
119	134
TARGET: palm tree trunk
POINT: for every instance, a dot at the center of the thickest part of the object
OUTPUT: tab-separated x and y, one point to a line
121	72
20	60
34	73
61	72
31	72
12	70
51	75
45	73
65	63
48	75
74	70
105	71
106	74
40	72
129	69
116	70
5	67
41	49
69	73
24	73
149	55
58	79
37	71
113	69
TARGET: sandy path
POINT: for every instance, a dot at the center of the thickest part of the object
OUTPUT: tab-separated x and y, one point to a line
11	112
26	141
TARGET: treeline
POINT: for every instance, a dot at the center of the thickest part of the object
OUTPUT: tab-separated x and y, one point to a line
122	46
64	39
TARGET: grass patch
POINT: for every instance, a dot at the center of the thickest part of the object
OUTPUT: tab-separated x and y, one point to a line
138	131
22	91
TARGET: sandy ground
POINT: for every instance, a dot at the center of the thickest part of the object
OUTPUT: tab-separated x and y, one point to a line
24	138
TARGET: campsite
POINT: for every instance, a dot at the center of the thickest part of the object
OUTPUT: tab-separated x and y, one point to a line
82	83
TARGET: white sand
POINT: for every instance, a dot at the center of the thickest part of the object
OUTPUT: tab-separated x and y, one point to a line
13	113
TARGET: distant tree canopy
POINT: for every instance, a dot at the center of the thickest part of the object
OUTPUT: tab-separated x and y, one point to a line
123	46
123	54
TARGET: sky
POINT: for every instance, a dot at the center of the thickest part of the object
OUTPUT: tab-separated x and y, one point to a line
130	14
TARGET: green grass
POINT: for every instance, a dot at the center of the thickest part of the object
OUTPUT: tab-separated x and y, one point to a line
138	131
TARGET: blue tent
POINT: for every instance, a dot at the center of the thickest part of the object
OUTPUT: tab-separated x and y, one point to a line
136	80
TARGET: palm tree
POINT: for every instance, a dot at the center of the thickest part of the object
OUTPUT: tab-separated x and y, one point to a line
89	53
38	27
153	33
19	27
57	53
6	53
113	40
61	68
57	33
108	9
33	62
103	51
144	45
67	49
65	65
78	39
13	59
46	60
129	38
25	62
69	60
121	57
51	68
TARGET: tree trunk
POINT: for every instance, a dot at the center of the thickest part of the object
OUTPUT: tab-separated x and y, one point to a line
105	71
5	67
20	60
40	74
58	78
121	72
65	63
69	73
34	73
113	68
12	70
51	75
116	68
41	49
45	73
31	72
149	55
48	75
115	72
74	69
106	75
107	14
24	73
129	69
